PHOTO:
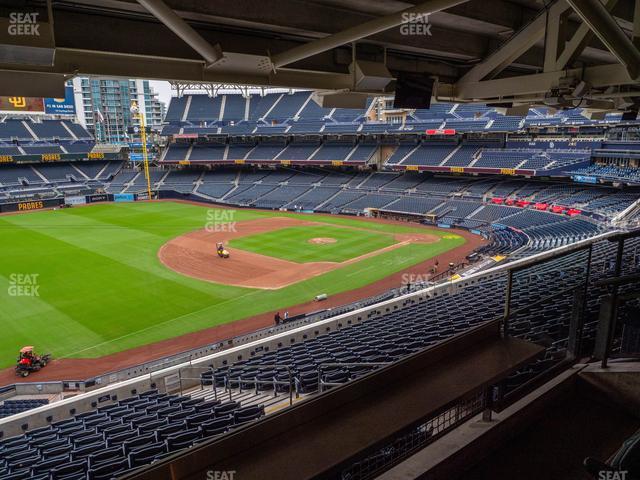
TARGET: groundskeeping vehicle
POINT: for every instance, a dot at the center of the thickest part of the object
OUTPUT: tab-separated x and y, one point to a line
29	361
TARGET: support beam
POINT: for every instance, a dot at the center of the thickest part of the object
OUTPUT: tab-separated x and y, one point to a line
555	34
579	41
595	14
366	29
514	47
599	77
210	53
636	24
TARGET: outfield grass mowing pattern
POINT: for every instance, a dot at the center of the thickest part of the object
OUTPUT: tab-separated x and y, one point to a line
292	243
102	289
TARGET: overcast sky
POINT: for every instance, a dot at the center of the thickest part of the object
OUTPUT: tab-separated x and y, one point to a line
163	89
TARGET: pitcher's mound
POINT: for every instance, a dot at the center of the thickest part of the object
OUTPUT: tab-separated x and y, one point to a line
322	240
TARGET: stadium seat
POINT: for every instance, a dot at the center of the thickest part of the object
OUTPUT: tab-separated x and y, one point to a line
138	442
182	440
107	454
108	470
74	469
146	455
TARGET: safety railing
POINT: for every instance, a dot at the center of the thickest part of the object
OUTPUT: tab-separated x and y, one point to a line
322	384
372	463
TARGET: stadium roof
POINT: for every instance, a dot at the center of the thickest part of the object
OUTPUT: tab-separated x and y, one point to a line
497	51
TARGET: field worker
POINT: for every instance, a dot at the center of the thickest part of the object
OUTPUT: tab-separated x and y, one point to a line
277	318
286	315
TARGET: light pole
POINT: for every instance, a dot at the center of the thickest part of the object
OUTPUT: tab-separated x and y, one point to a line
135	110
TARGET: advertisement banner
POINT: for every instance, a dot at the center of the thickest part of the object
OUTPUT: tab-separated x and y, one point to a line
30	205
123	197
145	195
61	106
77	200
584	179
21	104
100	197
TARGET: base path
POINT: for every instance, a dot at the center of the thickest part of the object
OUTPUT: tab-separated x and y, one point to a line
194	255
84	368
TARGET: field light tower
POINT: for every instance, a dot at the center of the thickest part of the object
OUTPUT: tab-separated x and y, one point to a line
135	111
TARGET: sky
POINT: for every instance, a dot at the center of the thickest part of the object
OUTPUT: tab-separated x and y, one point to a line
163	89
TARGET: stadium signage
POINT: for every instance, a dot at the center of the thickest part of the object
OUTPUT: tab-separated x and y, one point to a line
77	200
21	104
95	155
438	131
412	168
29	206
584	179
6	159
239	162
61	106
50	157
97	198
23	206
508	171
285	162
457	169
123	197
184	162
336	163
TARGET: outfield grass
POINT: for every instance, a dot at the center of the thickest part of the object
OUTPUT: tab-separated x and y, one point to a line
293	243
101	288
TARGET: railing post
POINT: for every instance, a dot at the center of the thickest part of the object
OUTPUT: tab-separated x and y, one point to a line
574	342
488	403
574	347
180	379
605	329
507	304
291	386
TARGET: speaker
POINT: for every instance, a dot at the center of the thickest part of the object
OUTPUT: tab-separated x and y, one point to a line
630	115
413	90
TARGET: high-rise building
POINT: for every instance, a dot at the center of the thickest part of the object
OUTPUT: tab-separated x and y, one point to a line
103	106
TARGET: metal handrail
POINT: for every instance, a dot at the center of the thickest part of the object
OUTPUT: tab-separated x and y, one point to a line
321	383
256	382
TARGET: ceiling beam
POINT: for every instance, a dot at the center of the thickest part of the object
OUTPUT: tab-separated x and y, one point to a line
636	24
555	34
513	48
595	14
357	32
600	76
579	41
210	53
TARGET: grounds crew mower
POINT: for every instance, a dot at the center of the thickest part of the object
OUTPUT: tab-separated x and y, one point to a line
29	361
222	252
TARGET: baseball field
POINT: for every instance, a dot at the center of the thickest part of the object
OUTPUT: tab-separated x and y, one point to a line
96	280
